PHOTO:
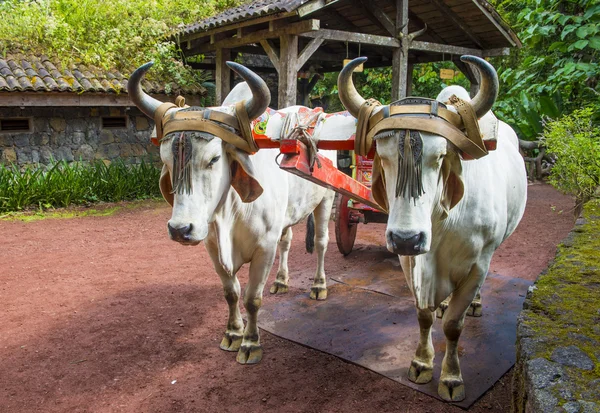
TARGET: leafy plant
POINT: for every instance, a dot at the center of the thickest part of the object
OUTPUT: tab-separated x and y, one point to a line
62	184
109	34
377	83
575	140
557	69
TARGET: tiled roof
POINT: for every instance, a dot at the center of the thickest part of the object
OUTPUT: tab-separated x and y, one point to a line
21	73
256	8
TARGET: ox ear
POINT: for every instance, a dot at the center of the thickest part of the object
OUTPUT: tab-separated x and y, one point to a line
243	179
454	188
166	189
378	184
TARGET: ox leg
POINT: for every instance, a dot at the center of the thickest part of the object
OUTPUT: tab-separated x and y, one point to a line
232	339
475	308
280	285
421	367
451	386
251	351
322	213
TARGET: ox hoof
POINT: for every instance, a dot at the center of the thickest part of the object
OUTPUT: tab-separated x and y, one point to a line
251	354
439	313
279	287
451	390
318	293
231	342
419	372
474	309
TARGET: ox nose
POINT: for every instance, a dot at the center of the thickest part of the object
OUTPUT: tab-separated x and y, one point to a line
406	243
180	234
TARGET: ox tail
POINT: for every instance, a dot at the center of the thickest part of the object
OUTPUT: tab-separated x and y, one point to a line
310	233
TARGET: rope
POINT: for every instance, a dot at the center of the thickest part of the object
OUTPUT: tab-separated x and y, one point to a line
293	129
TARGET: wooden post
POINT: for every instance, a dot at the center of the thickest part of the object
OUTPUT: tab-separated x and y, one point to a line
288	72
400	54
222	75
409	79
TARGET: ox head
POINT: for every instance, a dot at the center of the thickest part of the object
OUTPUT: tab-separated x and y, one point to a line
200	167
419	174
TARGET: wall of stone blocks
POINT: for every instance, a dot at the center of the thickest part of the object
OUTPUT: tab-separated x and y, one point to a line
76	133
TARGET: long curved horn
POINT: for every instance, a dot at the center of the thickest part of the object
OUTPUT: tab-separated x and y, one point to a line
261	96
488	86
348	94
143	101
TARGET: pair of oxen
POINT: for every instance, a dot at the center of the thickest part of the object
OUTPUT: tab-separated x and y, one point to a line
445	227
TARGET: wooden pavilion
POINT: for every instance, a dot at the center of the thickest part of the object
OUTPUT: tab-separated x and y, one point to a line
295	34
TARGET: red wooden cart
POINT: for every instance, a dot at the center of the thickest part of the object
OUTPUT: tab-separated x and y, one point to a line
349	212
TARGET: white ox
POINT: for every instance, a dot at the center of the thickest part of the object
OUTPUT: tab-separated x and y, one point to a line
241	206
446	237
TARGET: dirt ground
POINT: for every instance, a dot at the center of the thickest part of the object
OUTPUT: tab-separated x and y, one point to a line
106	314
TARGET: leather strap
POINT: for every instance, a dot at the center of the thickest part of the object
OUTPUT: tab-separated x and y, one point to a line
244	126
158	118
443	113
434	126
469	119
210	121
363	141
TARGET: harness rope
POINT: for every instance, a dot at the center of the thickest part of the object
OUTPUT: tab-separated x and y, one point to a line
293	129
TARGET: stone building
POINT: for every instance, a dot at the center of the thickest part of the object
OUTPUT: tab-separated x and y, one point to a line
51	111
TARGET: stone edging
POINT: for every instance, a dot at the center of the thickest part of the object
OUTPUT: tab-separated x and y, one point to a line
558	331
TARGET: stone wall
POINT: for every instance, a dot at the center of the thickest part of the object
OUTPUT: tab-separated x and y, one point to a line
558	331
76	133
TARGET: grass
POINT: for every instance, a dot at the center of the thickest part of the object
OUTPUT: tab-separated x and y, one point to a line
61	184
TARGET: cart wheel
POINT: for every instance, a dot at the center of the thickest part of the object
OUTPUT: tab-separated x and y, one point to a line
345	231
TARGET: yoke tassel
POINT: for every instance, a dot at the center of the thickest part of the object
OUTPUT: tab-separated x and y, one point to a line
182	165
409	182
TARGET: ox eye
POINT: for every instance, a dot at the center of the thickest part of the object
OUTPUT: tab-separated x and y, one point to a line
213	161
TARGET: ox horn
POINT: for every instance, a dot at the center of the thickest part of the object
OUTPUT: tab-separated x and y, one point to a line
348	94
261	96
143	101
488	87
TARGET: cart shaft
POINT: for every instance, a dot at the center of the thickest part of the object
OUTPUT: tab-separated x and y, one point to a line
296	160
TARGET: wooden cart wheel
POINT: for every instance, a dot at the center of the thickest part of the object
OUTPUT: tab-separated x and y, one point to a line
345	231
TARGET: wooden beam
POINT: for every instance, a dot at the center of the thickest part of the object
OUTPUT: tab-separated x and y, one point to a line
222	78
288	75
501	51
270	50
341	36
313	6
457	21
492	18
444	48
308	51
378	16
304	26
235	26
57	99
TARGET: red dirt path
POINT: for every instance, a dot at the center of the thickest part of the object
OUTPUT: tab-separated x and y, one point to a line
106	314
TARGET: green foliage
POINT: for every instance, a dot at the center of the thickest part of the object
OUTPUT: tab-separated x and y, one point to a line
377	83
557	69
575	140
62	184
108	34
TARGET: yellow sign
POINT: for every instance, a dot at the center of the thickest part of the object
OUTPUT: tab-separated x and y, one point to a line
446	74
358	69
